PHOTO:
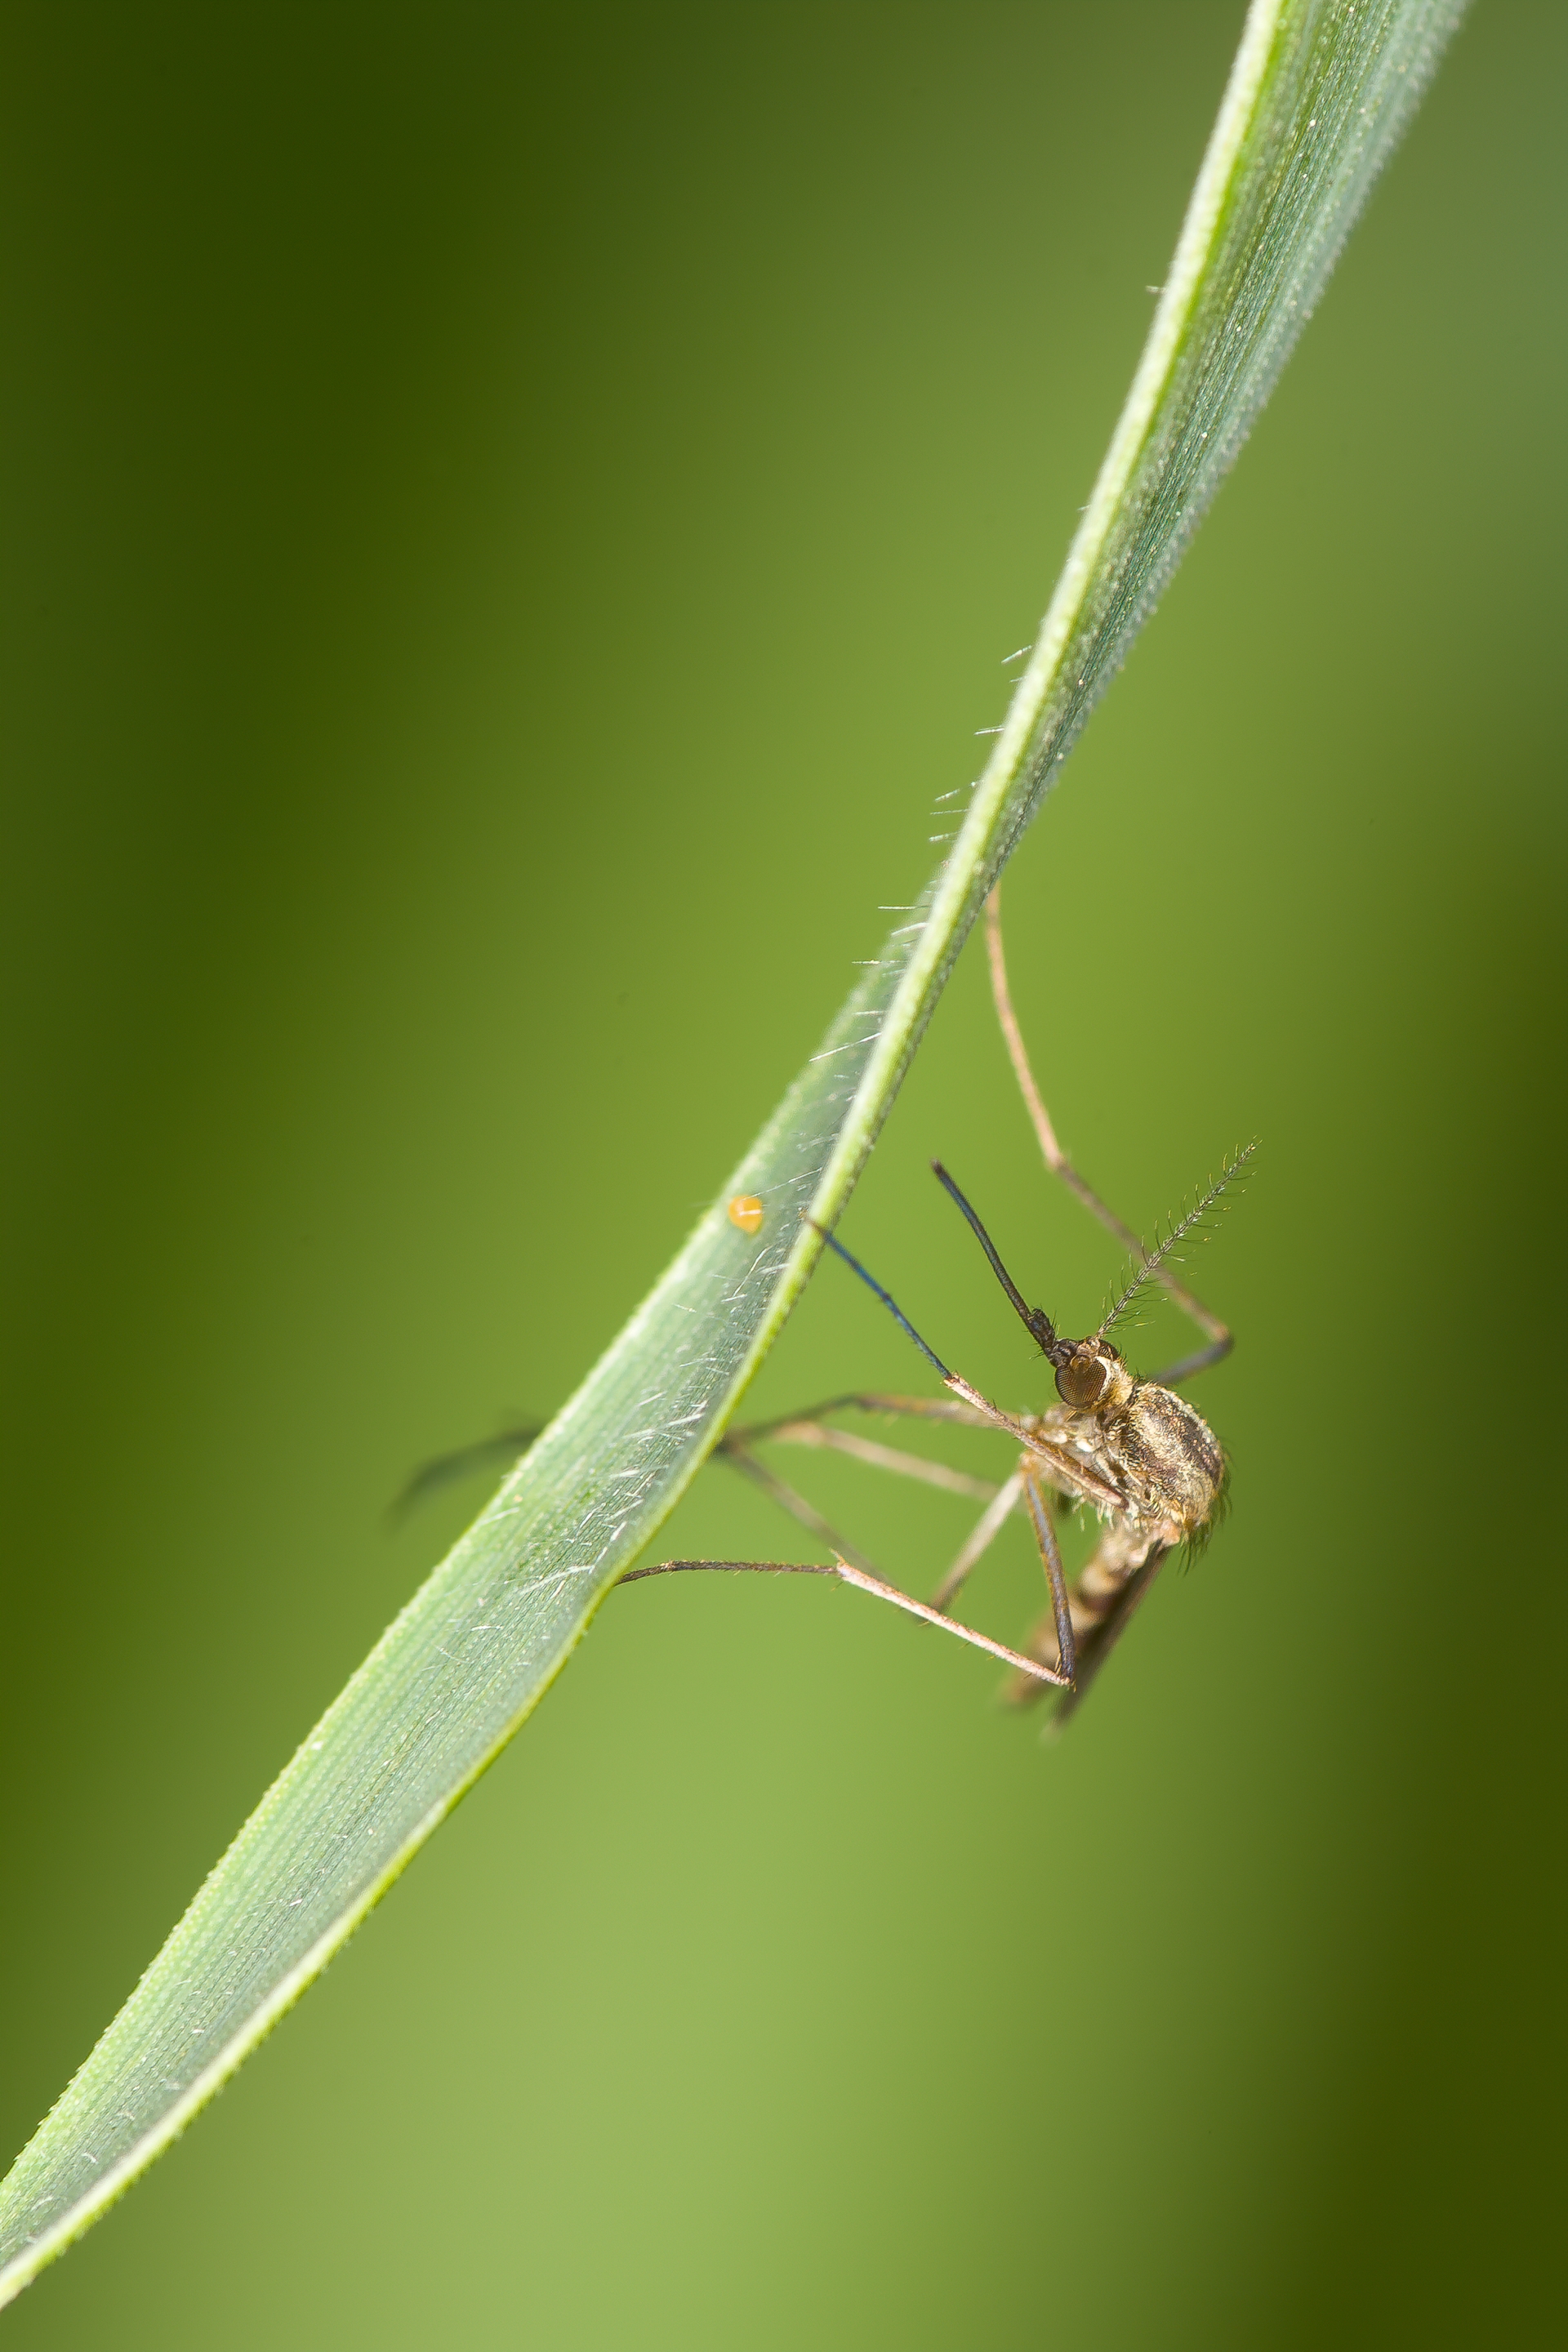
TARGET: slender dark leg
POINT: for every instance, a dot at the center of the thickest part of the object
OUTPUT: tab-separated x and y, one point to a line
1110	1588
964	1389
1171	1376
1051	1555
888	1301
490	1452
1106	1634
1219	1336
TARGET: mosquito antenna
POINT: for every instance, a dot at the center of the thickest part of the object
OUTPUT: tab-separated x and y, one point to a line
1152	1260
1035	1319
894	1309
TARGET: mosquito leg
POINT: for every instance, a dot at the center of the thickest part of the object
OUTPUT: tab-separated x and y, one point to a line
1056	1577
864	1581
1171	1376
882	1457
1114	1583
1218	1334
968	1394
894	1309
799	1509
1112	1626
998	1511
903	1408
498	1452
806	1429
1061	1469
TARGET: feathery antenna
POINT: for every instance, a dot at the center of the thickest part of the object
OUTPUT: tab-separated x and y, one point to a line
1154	1258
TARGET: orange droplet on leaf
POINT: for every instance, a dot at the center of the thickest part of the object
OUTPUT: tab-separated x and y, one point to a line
746	1211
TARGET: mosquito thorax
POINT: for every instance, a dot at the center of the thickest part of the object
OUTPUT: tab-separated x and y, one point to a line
1091	1377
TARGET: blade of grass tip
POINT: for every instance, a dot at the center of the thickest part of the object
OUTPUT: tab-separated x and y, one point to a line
1318	95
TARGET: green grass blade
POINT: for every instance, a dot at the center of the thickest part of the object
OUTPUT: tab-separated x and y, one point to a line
1318	96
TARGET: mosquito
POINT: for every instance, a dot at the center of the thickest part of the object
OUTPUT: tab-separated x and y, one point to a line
1131	1449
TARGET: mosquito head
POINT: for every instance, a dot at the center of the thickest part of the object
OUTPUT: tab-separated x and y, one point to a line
1090	1375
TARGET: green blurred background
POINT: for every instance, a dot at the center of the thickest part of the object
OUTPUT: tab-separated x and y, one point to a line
511	516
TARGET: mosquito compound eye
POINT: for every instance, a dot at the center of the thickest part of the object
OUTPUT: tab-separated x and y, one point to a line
1083	1379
